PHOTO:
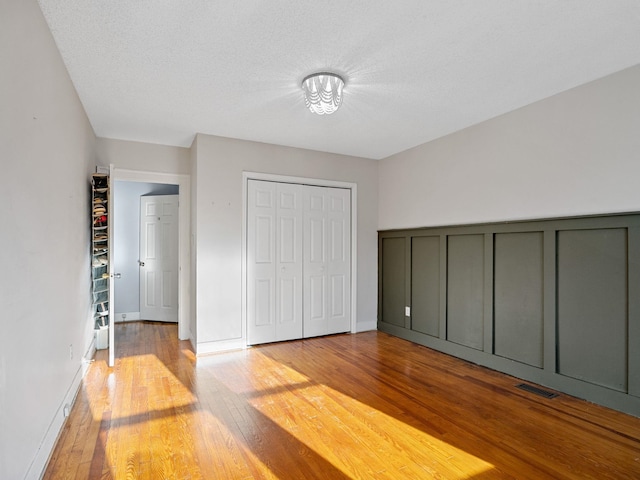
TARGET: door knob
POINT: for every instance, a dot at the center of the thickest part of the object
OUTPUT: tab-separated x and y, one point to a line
141	263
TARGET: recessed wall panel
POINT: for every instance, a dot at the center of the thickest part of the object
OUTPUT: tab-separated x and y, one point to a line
393	281
592	306
425	285
465	290
518	300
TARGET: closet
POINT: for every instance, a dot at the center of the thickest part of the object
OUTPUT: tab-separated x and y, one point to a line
298	261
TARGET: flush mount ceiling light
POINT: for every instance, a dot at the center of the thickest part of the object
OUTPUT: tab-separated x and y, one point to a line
323	92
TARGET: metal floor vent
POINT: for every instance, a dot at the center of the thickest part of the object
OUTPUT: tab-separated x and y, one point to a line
536	390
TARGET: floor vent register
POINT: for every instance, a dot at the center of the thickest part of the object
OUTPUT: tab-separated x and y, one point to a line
536	390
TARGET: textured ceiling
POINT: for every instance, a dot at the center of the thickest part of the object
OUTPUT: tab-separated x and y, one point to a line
161	71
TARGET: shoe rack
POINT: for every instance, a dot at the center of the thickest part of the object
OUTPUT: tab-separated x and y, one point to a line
100	248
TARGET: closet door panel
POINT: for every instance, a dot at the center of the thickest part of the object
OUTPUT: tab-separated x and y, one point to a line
289	261
339	260
261	262
315	262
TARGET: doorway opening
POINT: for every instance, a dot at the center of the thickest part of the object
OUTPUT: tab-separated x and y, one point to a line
145	227
186	327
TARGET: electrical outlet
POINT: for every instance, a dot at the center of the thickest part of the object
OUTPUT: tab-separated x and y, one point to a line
71	352
407	311
124	316
66	410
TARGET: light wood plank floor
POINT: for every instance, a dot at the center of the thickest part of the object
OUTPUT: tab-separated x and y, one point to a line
362	406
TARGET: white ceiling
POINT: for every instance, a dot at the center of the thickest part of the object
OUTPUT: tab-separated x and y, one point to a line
161	71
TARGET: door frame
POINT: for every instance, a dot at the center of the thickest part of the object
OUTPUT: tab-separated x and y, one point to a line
184	214
316	182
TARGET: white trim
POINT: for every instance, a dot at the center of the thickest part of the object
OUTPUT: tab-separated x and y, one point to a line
207	348
184	217
111	333
367	326
246	176
45	449
130	317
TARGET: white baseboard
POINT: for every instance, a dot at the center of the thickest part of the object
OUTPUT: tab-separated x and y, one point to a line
127	317
239	343
222	346
366	326
39	463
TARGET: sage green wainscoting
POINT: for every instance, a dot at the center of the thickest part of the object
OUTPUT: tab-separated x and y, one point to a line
555	302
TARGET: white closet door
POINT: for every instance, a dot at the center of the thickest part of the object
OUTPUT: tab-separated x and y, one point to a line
274	262
261	262
338	260
315	262
327	261
289	261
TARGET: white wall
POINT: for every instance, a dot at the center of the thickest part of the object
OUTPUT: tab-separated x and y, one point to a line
47	149
218	226
571	154
126	232
146	157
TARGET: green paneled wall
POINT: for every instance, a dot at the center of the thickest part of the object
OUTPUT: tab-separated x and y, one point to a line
393	281
425	285
518	297
465	290
592	306
555	302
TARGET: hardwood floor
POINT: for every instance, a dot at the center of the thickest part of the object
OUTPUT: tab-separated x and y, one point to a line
359	406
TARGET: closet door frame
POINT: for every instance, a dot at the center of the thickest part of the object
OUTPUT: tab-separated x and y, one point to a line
246	176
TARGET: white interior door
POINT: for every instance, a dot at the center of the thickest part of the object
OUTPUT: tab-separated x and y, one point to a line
159	258
298	261
327	261
274	262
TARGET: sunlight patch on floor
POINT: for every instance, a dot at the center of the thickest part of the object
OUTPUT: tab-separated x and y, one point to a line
321	417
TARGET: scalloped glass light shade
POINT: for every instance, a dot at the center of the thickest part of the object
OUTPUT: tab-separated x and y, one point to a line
323	92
